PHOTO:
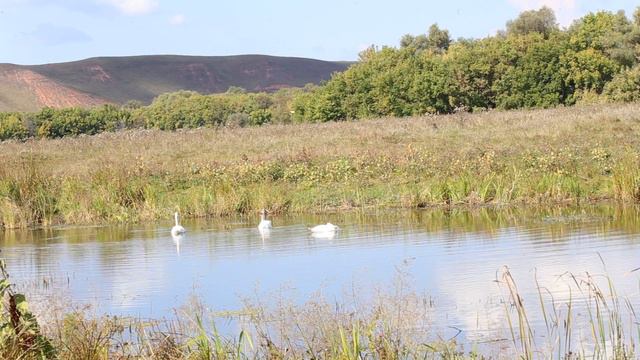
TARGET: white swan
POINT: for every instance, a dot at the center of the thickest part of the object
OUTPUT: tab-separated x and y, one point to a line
177	229
327	235
324	228
264	223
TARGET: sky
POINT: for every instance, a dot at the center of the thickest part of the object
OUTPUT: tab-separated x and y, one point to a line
46	31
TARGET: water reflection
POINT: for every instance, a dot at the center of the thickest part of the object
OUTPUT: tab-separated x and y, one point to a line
265	234
455	255
325	235
177	239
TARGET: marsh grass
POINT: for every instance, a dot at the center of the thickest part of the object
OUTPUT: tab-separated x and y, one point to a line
564	155
593	323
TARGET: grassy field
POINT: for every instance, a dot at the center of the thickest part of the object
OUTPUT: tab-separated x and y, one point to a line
564	155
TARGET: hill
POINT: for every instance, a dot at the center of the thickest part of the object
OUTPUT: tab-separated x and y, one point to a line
120	79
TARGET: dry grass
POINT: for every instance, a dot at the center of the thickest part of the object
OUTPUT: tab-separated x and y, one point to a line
511	133
560	155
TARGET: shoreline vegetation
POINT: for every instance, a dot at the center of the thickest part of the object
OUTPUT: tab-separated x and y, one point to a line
563	155
396	323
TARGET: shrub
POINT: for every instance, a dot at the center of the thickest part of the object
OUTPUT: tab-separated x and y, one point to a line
625	87
238	120
12	127
110	118
52	123
260	117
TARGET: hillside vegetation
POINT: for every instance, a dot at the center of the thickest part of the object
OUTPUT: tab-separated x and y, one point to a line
118	80
532	64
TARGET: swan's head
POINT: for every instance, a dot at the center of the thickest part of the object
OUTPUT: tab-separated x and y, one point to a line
264	212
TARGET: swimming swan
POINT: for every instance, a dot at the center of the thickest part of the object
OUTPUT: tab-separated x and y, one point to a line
264	223
324	228
328	235
177	229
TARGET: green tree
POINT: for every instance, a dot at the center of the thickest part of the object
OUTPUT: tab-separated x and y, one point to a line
475	66
612	34
625	86
536	78
430	91
589	70
436	40
542	21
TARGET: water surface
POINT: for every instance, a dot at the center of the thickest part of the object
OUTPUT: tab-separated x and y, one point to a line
452	256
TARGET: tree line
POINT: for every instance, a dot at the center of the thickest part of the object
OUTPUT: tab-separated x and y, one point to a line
171	111
532	63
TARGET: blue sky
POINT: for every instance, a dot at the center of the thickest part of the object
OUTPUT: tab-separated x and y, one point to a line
42	31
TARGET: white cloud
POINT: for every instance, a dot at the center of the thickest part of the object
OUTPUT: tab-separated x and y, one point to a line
177	19
566	10
133	7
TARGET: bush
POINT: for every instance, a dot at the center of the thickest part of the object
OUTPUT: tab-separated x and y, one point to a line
238	120
260	117
110	118
187	109
53	123
625	87
12	127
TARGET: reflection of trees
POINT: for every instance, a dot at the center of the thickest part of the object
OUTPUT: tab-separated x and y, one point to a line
465	247
96	233
10	237
555	223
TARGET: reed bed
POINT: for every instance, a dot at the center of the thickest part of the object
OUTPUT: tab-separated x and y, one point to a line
563	155
605	326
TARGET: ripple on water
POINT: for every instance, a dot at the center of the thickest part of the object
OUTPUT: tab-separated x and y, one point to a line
455	257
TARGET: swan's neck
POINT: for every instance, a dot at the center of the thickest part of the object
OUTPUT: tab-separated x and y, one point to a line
176	216
263	217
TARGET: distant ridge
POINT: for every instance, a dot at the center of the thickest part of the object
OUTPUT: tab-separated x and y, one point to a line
117	80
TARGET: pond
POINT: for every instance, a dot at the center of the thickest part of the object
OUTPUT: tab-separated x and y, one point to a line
452	256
